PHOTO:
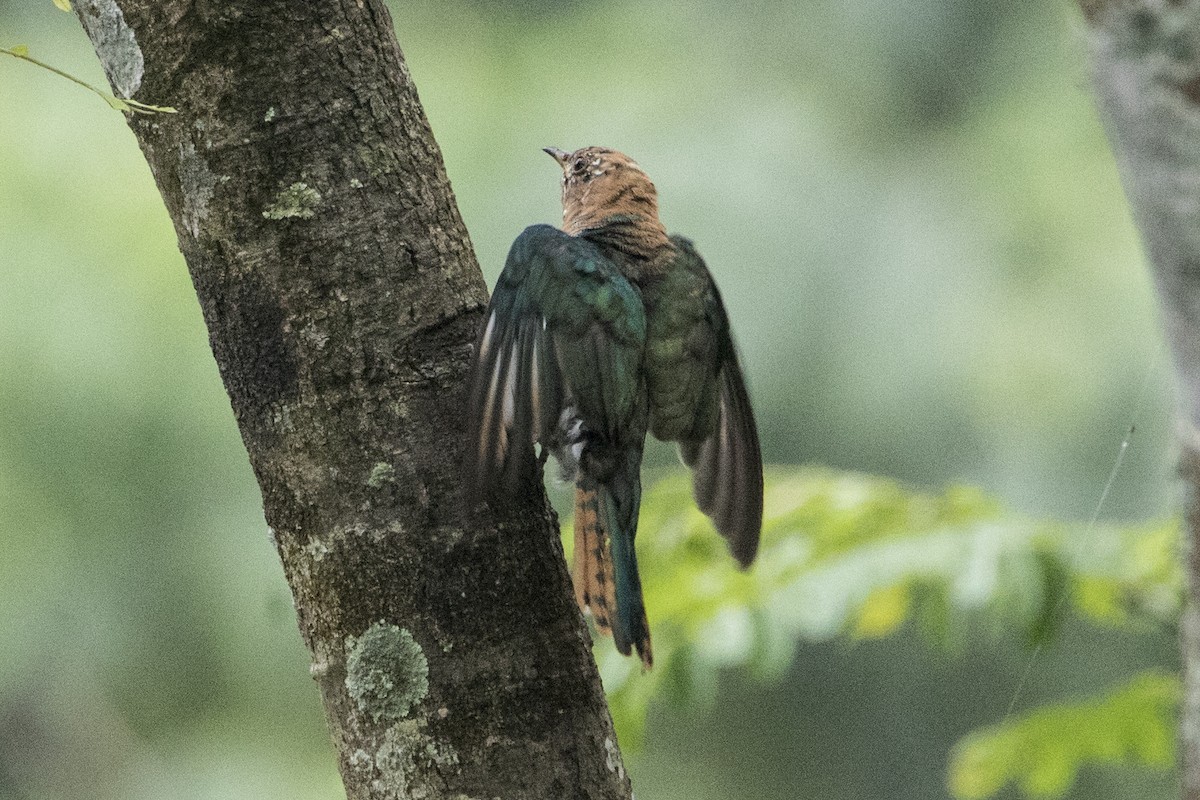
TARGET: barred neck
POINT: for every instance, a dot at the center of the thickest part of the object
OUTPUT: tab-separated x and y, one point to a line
639	244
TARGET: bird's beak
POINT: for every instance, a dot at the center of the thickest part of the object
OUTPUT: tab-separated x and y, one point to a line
560	156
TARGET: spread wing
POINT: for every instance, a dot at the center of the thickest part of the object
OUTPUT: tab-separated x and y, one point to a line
727	479
564	331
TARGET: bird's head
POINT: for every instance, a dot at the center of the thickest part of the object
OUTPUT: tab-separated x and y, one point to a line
599	184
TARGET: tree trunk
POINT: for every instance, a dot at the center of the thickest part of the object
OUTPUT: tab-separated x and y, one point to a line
342	299
1146	73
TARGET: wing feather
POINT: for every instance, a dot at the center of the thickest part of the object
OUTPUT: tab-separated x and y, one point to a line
701	401
728	478
563	324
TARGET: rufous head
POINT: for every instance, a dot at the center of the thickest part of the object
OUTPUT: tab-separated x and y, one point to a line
599	183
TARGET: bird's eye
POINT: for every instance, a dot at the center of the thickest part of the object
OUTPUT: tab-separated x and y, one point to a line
579	165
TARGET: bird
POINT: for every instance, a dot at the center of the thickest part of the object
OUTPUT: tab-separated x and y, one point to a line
596	334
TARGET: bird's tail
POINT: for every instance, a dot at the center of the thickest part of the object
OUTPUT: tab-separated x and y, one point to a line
595	586
605	564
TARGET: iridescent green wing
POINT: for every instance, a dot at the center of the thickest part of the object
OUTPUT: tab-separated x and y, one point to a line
564	330
698	398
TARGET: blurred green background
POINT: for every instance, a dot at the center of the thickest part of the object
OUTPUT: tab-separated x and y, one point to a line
920	236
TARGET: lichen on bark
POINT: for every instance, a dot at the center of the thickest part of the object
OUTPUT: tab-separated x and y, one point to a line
116	46
298	200
386	672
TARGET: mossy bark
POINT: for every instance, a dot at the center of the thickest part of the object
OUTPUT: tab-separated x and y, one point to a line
1146	74
342	300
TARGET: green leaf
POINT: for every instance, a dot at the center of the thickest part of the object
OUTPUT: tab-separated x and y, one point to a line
65	5
846	555
1043	751
883	612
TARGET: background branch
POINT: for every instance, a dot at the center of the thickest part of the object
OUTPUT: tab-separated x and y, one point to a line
1146	74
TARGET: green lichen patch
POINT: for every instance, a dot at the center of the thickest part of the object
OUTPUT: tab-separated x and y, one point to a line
316	549
406	748
386	672
298	200
381	473
404	761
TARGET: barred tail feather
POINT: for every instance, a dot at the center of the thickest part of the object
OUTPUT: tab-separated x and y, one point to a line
592	570
605	564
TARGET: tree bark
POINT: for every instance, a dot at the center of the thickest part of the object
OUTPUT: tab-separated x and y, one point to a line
1146	74
342	299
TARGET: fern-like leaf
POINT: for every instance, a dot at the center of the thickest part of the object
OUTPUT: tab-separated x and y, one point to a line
1043	751
846	554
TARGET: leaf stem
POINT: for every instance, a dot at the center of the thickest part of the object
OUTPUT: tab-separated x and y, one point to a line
120	104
